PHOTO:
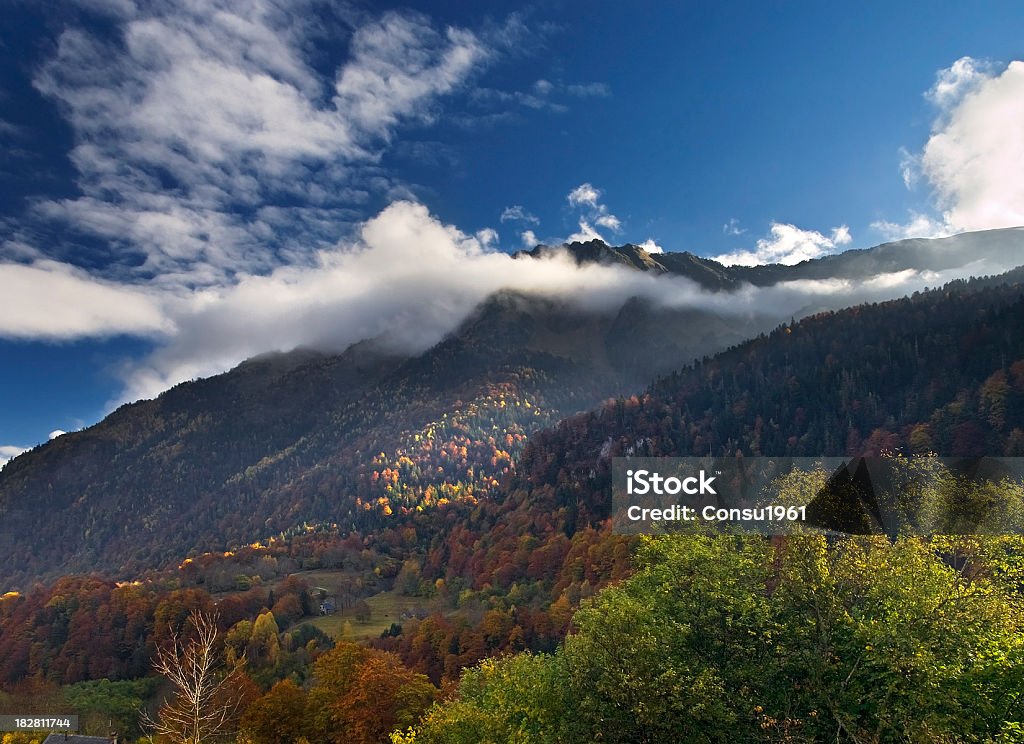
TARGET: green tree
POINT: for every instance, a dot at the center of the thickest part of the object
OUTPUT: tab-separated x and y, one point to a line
520	698
799	639
264	644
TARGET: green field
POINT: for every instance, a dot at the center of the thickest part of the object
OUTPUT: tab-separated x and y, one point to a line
385	608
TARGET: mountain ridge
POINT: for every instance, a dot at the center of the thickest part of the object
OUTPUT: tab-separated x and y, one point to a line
304	436
1000	247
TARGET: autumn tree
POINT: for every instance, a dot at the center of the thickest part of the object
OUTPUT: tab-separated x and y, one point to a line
384	695
279	717
360	694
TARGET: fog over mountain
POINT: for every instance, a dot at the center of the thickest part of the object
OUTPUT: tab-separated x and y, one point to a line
410	279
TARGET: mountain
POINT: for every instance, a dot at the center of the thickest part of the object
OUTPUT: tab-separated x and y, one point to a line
525	538
939	372
304	437
983	252
361	438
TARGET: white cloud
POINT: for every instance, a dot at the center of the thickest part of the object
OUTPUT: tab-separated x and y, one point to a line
919	225
8	452
841	235
956	81
973	162
52	300
208	143
529	238
487	237
589	90
910	168
408	280
585	234
587	199
651	247
584	195
56	433
543	87
788	245
517	213
398	63
542	95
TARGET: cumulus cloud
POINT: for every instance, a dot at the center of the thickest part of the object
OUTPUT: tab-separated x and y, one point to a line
973	161
788	244
584	234
56	433
594	214
529	238
487	237
584	195
953	83
841	236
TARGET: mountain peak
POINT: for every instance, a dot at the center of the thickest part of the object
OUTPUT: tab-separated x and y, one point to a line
709	274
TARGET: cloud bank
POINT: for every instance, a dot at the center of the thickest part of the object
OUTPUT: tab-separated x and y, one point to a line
407	280
973	162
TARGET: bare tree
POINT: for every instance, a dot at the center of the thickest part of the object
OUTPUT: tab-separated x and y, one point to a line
204	704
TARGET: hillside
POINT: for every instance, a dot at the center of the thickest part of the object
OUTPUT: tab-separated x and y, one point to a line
289	439
942	372
359	438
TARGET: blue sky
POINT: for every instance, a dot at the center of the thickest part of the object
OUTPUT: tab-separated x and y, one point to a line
188	183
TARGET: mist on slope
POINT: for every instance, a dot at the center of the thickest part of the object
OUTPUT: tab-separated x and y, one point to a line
409	280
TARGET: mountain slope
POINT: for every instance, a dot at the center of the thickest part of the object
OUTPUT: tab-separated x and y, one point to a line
942	371
288	439
360	438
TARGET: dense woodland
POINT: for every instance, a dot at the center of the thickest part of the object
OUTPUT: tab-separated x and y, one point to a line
861	640
304	438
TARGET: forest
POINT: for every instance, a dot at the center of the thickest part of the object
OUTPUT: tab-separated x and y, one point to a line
543	626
